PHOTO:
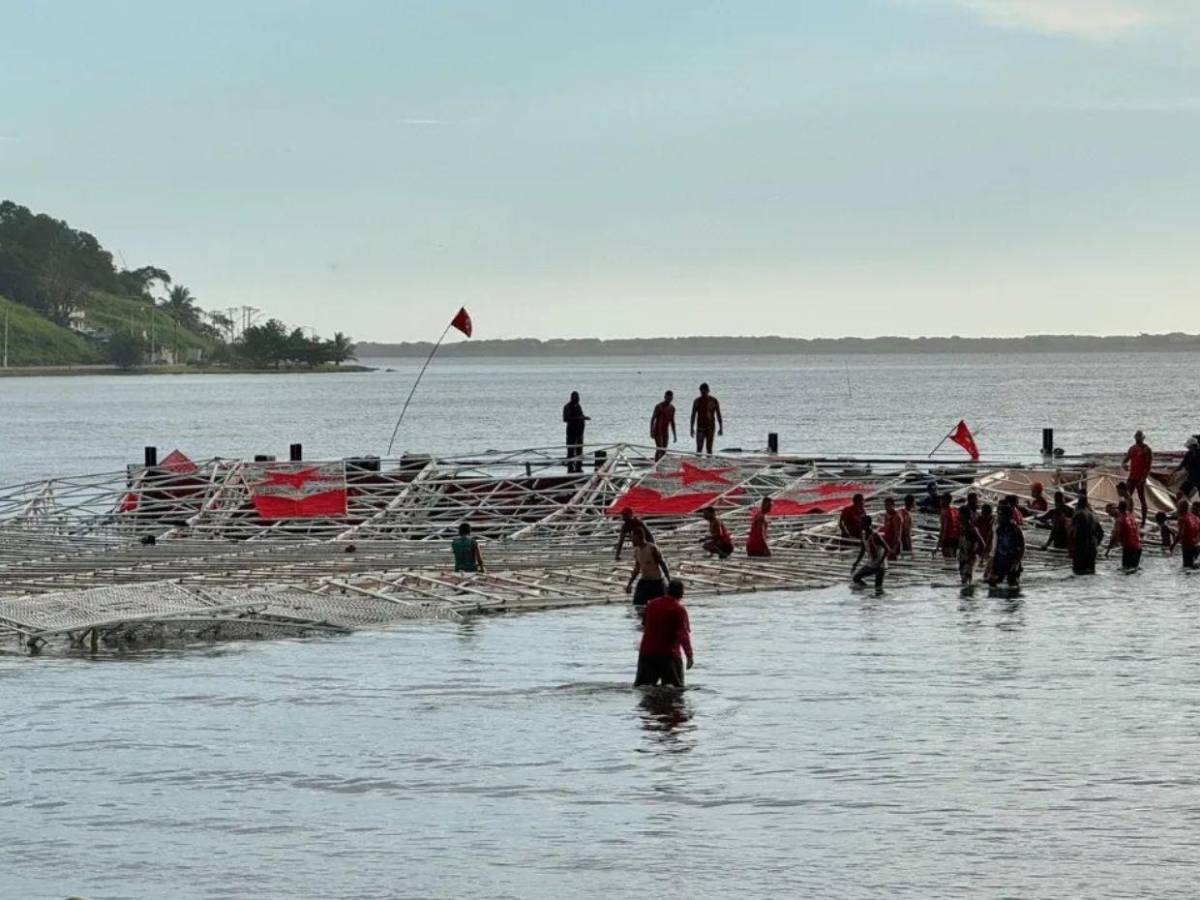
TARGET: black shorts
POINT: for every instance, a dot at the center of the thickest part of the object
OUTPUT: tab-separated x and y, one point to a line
1084	563
1130	558
950	548
1005	568
652	670
648	589
1190	555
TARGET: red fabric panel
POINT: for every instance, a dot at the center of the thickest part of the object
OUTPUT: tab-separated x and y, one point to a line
327	504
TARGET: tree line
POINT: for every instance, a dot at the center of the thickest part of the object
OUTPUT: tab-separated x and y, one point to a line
55	270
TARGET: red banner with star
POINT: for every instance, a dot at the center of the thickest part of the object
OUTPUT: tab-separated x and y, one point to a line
298	490
678	489
825	497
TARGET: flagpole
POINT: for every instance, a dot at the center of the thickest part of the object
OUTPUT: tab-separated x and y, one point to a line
939	446
417	382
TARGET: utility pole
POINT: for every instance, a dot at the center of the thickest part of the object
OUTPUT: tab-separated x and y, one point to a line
6	339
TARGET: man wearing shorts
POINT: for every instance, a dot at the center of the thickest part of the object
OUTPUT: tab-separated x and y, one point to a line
666	640
649	571
662	425
706	418
1010	549
1126	534
1188	538
1139	458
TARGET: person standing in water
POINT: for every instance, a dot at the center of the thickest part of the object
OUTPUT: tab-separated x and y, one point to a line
1139	458
666	640
1190	464
576	421
1059	520
1086	535
906	527
851	517
649	571
465	548
948	530
873	547
662	425
970	542
629	524
893	528
706	418
1126	534
1188	538
1010	549
756	543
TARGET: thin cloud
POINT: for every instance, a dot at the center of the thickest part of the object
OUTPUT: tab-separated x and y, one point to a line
7	139
1090	19
1133	104
423	122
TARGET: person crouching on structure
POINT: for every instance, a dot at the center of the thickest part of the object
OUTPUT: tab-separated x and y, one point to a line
756	543
875	549
467	557
1010	549
649	571
1126	534
666	640
719	540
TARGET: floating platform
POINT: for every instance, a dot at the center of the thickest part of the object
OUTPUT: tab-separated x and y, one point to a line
228	548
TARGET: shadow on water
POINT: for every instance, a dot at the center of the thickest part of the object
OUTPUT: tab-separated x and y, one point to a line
666	716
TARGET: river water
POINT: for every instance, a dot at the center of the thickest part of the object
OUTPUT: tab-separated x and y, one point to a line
921	744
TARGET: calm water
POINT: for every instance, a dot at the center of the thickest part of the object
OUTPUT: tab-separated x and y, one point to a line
831	744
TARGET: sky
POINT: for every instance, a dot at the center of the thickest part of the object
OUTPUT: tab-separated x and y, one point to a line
625	169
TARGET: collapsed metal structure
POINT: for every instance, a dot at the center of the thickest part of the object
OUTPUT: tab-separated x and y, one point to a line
228	548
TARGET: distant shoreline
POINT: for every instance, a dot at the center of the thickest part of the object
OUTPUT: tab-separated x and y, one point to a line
92	370
776	346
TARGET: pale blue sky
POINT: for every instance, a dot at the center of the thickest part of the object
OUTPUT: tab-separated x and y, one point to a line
813	168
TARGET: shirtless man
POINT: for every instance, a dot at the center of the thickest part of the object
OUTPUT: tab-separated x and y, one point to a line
1138	459
873	547
662	421
706	415
893	527
719	540
629	524
649	571
906	523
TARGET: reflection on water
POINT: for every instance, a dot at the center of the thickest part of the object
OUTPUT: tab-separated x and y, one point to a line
665	713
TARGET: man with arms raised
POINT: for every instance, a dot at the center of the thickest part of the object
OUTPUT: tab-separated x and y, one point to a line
706	418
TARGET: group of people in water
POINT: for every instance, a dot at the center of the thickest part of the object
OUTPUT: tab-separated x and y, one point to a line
979	537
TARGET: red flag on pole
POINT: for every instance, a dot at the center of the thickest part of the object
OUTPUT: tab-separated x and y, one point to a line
462	321
963	437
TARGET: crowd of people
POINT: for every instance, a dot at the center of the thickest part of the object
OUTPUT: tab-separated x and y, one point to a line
979	537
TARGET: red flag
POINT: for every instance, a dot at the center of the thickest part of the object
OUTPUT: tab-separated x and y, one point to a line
462	321
963	437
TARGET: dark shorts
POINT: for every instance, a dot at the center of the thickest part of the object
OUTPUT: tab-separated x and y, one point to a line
950	548
1005	568
653	670
1131	559
906	544
876	572
1190	555
1084	563
723	549
647	589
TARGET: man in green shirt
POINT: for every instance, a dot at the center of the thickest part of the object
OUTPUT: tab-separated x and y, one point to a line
467	557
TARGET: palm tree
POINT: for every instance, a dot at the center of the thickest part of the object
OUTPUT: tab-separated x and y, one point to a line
180	305
340	348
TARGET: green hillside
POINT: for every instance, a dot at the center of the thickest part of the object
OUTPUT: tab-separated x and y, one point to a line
36	341
107	314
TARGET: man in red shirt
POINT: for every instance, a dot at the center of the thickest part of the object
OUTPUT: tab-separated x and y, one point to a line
1189	535
1138	459
756	543
948	530
850	522
1126	533
666	639
893	527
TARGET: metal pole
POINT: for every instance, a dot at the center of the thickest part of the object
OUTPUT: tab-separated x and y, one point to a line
414	387
6	339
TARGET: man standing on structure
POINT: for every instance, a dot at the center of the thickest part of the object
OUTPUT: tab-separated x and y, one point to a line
649	571
1139	458
575	421
662	422
467	557
706	419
